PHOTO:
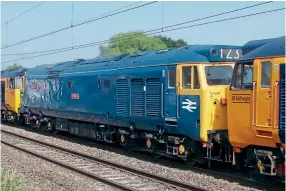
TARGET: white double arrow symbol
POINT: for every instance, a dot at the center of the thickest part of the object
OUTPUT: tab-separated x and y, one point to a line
189	105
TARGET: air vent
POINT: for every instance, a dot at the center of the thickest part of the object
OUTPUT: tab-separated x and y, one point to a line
137	97
282	96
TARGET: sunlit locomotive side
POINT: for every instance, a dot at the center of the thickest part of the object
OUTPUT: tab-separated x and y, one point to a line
256	108
11	89
170	102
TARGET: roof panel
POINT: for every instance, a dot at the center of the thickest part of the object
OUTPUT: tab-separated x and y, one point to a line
13	73
195	53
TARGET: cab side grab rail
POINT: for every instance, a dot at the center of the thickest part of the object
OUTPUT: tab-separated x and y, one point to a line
276	99
253	104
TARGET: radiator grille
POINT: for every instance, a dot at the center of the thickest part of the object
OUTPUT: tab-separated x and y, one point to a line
122	97
137	97
153	97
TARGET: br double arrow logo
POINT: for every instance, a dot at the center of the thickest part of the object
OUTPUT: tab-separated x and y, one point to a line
189	105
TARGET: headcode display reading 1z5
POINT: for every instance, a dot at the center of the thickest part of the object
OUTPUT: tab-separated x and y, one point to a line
230	53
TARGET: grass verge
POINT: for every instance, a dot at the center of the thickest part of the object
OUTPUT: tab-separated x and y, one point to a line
9	181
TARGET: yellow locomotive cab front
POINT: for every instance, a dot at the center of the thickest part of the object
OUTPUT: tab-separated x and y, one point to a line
214	107
12	86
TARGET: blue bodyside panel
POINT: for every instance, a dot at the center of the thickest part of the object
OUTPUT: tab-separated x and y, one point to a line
49	90
282	108
264	48
126	99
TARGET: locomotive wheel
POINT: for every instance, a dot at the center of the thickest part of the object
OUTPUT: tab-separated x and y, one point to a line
50	125
3	117
151	145
124	140
16	119
190	160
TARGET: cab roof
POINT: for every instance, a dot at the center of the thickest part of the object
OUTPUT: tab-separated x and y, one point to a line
264	48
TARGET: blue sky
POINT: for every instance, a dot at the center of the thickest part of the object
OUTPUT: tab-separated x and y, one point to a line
54	15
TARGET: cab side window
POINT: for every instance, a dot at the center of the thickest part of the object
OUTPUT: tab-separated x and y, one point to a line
12	84
242	76
172	77
186	77
17	83
7	84
196	78
22	83
265	74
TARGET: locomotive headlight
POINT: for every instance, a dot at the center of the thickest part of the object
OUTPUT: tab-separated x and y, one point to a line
181	149
213	52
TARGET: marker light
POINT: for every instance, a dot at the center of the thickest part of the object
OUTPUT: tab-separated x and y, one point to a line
223	101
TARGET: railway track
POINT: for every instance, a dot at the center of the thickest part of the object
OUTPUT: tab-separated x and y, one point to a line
115	175
226	174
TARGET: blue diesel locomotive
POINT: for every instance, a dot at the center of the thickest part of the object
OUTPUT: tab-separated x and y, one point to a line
170	102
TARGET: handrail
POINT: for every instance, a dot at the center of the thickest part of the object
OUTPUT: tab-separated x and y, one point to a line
178	106
162	101
253	104
178	86
275	104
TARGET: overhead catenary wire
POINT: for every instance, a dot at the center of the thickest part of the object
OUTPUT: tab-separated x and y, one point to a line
178	24
147	33
72	22
79	24
23	13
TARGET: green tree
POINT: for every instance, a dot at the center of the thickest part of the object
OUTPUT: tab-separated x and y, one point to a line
170	43
127	43
14	67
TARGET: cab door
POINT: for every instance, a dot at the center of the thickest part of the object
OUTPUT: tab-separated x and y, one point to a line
7	92
188	90
2	92
171	97
262	96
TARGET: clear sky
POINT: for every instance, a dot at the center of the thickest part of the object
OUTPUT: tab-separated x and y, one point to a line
54	15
